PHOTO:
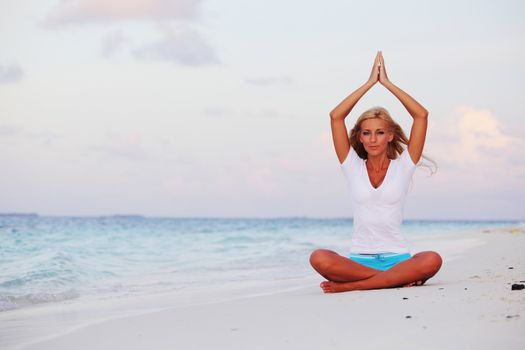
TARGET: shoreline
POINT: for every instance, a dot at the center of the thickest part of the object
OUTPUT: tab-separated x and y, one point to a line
468	303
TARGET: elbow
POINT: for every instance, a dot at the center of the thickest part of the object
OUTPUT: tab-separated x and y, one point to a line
335	116
423	114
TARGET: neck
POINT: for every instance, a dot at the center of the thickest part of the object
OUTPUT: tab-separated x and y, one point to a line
379	162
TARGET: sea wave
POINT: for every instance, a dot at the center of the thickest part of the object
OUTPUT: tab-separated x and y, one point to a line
46	259
10	302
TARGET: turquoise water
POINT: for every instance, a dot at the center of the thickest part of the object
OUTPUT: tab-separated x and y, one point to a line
49	259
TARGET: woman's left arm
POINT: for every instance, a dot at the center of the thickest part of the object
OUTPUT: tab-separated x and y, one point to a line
418	132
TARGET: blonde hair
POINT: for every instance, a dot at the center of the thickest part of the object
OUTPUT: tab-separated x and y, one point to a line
395	147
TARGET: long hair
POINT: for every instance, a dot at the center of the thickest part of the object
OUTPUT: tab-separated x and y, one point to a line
395	147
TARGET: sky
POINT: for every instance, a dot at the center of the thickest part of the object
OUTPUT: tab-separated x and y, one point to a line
208	108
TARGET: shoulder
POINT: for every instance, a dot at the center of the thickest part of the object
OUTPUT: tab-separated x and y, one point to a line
405	160
351	160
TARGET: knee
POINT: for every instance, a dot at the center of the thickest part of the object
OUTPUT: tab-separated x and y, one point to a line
431	263
319	259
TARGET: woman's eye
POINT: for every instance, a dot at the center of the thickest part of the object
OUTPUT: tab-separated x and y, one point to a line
381	132
366	133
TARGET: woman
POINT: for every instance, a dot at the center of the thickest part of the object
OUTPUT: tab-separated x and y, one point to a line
378	162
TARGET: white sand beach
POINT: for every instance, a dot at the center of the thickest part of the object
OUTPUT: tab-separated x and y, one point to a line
468	305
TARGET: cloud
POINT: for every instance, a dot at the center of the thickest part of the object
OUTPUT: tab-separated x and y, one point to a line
476	153
179	45
41	136
267	113
8	130
479	130
85	11
269	81
10	74
128	146
218	112
473	134
45	136
112	43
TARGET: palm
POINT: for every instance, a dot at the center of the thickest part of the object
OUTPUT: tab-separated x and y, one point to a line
383	78
374	75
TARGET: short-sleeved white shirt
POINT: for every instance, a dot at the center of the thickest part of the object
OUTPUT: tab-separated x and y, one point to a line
378	212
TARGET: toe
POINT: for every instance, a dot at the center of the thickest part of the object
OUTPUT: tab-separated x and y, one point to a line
326	287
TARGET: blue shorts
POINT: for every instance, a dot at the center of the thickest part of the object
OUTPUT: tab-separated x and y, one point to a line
382	261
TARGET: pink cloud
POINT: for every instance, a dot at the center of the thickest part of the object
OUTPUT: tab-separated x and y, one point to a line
476	153
82	11
470	135
179	43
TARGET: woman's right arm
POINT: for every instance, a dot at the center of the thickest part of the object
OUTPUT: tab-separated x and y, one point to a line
341	111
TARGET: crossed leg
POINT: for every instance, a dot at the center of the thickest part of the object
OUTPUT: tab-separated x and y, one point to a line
344	274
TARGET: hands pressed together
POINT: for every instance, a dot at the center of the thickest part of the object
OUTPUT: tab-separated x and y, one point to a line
378	70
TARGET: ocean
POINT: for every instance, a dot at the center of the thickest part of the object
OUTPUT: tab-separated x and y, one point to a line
52	259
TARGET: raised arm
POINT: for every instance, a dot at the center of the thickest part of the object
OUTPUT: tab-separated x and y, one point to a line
341	111
419	114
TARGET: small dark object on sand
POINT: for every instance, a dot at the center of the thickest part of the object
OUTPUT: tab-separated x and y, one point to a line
405	298
408	316
517	286
466	288
510	268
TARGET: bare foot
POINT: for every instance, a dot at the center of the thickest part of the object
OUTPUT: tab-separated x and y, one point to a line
337	287
415	284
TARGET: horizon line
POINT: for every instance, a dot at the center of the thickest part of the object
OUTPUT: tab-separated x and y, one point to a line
211	217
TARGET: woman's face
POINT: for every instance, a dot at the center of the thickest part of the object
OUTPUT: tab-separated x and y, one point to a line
375	136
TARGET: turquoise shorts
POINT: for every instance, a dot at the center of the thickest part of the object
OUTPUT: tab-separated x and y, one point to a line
382	261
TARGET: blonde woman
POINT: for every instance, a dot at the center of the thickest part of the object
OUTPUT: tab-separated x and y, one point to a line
378	162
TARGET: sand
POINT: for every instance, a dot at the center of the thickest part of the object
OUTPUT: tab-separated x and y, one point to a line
468	305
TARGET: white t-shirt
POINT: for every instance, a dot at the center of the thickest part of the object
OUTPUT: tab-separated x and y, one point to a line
378	212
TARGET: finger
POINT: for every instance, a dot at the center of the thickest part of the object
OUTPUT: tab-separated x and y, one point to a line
377	62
